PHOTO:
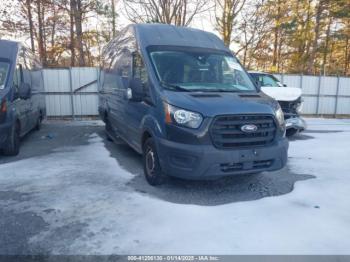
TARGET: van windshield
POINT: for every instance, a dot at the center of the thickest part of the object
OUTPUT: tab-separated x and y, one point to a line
211	71
267	80
4	68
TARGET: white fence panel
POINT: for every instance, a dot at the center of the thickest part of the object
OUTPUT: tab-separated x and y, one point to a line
309	106
343	106
56	80
344	86
84	75
58	105
329	85
326	105
328	95
85	105
292	80
73	92
310	85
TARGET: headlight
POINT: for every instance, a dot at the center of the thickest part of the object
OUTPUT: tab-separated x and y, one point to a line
182	117
280	116
300	106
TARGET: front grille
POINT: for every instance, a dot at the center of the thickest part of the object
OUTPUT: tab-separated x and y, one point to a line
290	107
254	165
226	131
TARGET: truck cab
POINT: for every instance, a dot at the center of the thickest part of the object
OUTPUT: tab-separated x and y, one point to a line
22	104
180	98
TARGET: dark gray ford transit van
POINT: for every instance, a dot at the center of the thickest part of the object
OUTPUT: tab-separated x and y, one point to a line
182	99
22	104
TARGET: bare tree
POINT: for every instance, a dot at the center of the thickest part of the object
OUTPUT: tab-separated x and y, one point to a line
78	14
226	12
31	26
41	35
253	28
113	17
71	35
319	10
176	12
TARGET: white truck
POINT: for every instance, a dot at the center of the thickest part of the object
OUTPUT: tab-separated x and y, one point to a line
288	97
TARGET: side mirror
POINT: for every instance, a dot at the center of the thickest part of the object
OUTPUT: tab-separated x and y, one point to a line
258	85
24	91
135	92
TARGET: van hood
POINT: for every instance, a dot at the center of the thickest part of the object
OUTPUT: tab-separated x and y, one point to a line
211	104
282	93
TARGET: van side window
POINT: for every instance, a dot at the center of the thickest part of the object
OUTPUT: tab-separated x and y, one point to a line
139	69
17	77
34	71
25	66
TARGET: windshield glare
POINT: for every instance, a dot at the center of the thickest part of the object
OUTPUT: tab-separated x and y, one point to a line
200	71
4	67
268	80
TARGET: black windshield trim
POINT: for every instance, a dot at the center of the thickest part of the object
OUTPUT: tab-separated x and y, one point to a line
187	48
5	60
173	87
153	48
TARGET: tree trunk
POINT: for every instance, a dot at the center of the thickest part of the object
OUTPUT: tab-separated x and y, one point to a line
31	27
311	59
42	52
276	35
325	52
226	31
347	56
275	47
72	43
245	56
79	30
347	53
113	18
308	32
53	29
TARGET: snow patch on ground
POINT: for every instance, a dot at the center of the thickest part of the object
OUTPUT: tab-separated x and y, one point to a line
86	186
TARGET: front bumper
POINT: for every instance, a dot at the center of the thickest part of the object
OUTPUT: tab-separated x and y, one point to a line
296	122
206	161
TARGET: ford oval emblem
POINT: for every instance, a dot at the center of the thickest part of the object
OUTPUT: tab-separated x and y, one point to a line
249	128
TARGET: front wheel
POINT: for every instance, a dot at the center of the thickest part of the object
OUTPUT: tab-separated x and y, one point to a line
38	123
291	132
13	142
151	166
108	130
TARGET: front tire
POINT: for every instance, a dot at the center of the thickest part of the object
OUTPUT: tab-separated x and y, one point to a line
291	132
108	130
38	123
151	166
13	142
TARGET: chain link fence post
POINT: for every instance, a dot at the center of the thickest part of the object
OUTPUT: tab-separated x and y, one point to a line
318	94
71	93
336	97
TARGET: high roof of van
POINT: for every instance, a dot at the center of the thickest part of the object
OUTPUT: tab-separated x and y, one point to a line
163	34
8	49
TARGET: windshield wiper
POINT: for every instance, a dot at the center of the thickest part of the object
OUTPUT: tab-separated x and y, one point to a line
174	87
218	90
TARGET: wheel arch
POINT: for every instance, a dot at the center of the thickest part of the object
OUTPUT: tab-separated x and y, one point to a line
150	128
